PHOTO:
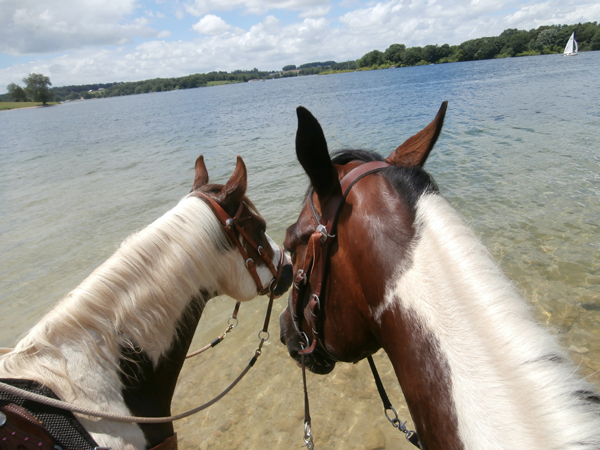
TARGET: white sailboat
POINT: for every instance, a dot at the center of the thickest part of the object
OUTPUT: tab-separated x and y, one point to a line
572	48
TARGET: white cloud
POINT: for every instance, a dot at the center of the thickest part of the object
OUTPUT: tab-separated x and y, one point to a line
268	44
32	26
211	24
201	7
318	11
430	22
553	13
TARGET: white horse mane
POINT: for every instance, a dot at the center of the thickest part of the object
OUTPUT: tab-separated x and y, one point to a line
512	384
132	300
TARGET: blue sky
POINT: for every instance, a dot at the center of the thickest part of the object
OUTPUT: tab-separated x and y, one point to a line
96	41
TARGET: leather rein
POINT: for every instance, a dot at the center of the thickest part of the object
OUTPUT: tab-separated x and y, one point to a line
314	273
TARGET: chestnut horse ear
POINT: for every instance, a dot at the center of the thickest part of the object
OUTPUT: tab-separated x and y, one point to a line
201	177
235	188
415	150
312	153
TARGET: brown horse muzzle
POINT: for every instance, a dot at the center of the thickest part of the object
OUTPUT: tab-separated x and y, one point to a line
317	362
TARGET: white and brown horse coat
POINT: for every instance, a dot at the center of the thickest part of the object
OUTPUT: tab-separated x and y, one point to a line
117	342
407	275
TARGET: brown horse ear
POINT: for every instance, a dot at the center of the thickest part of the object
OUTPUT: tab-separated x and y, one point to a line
235	188
312	153
201	177
415	150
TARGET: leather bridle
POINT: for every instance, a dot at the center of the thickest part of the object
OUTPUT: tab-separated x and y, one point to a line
314	271
234	230
314	274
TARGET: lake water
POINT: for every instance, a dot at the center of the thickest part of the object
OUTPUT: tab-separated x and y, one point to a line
518	157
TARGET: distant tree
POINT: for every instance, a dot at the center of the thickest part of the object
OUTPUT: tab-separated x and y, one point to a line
595	42
348	65
289	67
322	64
488	48
430	53
17	92
37	87
585	32
373	58
395	53
546	38
413	56
444	51
517	42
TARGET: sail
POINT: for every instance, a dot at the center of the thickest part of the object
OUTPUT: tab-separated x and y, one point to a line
571	48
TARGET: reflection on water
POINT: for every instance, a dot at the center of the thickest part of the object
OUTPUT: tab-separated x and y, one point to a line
518	157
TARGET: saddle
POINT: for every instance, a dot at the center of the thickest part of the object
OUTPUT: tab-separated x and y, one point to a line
19	430
27	425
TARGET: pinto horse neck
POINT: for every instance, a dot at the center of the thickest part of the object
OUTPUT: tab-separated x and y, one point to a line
477	372
118	341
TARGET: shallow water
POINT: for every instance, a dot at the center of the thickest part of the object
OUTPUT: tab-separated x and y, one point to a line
518	157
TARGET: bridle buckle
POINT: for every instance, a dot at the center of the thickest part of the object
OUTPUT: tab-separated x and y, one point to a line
324	234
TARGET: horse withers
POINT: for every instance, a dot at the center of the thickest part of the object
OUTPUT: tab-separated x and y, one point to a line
118	341
381	260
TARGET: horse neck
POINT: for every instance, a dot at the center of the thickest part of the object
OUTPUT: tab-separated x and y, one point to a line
476	371
127	327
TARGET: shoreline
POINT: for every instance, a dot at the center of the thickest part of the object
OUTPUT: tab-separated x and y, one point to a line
15	105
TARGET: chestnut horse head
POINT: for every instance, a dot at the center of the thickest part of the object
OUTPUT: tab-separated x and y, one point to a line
381	260
374	234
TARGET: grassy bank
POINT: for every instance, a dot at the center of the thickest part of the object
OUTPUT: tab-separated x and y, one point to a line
17	105
219	83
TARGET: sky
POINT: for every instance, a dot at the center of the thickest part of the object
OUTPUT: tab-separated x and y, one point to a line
78	42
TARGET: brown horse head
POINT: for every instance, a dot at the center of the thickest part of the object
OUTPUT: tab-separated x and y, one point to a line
382	260
374	233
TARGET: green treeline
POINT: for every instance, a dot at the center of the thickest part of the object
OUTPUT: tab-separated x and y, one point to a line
511	42
157	85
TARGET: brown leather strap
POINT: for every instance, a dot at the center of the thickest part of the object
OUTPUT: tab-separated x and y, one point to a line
358	172
22	431
317	253
229	223
272	294
168	444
